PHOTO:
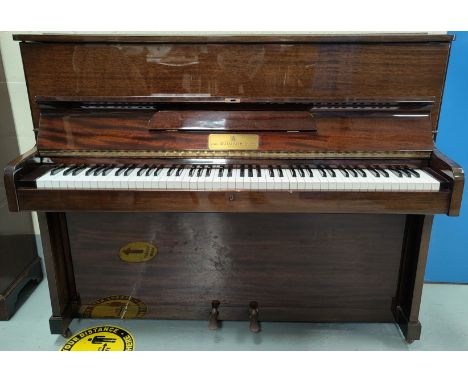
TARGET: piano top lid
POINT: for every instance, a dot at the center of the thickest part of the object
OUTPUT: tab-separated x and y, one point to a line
240	38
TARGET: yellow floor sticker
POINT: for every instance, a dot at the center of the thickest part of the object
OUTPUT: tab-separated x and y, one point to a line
118	306
101	338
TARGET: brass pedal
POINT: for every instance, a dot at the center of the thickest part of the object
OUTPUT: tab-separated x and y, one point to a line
253	317
213	320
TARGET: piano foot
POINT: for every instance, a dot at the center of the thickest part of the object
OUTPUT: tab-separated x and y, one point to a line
60	325
411	329
253	317
213	320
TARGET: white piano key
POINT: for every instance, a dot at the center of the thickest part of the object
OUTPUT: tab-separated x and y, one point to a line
431	184
370	183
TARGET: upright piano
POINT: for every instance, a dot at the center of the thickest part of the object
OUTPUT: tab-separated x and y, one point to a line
223	177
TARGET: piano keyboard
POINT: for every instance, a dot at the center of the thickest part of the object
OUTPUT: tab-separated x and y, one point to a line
243	177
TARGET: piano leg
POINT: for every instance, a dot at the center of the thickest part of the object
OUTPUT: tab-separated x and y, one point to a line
58	263
60	325
412	268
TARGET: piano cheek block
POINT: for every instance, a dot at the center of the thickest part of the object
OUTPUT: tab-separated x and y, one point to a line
300	202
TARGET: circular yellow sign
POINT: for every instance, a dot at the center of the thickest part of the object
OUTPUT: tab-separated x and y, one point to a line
101	338
138	252
118	306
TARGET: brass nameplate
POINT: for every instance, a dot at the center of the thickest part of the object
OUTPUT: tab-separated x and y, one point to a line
233	142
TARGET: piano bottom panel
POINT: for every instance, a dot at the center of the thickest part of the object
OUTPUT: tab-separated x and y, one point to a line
297	267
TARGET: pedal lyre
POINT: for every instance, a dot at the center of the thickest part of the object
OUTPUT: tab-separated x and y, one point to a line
213	320
253	317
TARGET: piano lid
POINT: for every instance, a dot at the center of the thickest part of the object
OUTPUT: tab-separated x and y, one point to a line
325	68
240	38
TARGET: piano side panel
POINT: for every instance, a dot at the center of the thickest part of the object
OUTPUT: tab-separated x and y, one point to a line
322	71
315	267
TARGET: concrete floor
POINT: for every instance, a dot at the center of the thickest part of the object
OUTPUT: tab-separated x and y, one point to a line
444	316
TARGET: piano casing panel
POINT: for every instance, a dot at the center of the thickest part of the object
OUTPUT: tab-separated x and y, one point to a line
326	71
131	131
303	267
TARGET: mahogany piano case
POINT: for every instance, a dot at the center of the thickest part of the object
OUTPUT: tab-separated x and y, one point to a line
137	137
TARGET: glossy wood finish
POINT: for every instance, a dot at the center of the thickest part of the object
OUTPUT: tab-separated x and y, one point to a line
231	121
60	276
288	130
296	267
453	170
326	71
297	256
14	169
227	39
413	264
238	201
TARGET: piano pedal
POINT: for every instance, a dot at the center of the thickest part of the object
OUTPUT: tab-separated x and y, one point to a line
253	317
213	320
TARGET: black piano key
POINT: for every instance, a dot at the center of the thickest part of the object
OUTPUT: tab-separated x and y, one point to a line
171	170
99	170
70	169
179	170
280	171
121	170
301	171
413	172
382	171
90	170
361	172
270	171
352	172
374	172
200	171
331	172
229	174
142	170
158	170
129	170
292	171
344	172
322	171
250	171
396	172
149	170
192	170
58	169
107	170
242	171
208	171
309	170
220	171
79	169
259	172
404	171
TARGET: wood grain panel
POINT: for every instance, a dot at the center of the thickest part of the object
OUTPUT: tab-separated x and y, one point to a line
240	202
324	71
345	266
139	130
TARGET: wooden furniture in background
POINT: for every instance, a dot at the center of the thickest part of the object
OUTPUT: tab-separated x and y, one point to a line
20	267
